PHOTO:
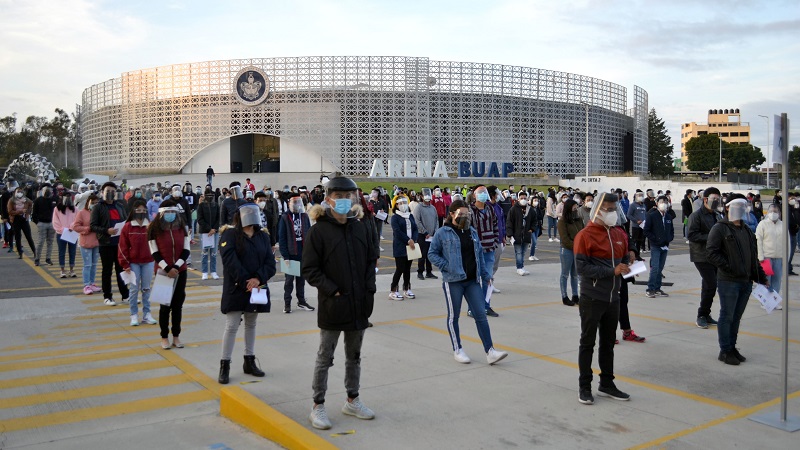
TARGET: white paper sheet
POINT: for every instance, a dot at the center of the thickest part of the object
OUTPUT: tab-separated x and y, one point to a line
488	294
118	227
416	253
69	236
128	277
290	267
161	292
636	268
259	296
769	299
208	241
381	215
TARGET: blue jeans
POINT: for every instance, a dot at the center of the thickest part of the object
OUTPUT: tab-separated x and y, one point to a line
534	240
212	252
775	280
733	296
144	277
488	262
471	291
792	247
658	258
519	254
90	258
62	249
568	270
552	227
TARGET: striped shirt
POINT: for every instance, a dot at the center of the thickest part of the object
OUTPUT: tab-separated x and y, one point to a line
485	223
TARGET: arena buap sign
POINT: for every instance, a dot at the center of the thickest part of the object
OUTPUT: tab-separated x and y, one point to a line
425	169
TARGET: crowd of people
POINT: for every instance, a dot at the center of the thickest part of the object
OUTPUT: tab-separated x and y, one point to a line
333	233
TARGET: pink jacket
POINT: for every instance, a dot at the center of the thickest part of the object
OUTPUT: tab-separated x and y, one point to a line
88	238
63	220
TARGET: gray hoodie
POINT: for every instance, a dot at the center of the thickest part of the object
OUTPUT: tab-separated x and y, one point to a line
427	219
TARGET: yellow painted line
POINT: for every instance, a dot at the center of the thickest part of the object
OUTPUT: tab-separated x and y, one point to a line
42	273
67	360
738	415
126	323
100	412
192	372
54	353
692	324
656	387
129	337
248	411
26	289
81	374
134	331
94	391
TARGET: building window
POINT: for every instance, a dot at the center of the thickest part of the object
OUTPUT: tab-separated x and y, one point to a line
744	133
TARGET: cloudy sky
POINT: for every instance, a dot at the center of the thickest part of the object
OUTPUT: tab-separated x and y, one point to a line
691	56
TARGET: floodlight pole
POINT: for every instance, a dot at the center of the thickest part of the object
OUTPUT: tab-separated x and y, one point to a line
769	163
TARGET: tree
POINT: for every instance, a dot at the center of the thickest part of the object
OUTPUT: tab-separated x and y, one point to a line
660	149
794	160
702	153
742	156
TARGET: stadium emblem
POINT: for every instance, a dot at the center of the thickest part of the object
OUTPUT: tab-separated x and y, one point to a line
251	86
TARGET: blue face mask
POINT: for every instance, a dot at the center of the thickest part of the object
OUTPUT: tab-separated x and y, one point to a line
343	205
170	217
482	197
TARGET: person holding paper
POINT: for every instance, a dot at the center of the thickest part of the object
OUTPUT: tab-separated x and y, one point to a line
771	243
90	247
427	224
207	225
404	234
660	232
521	223
456	251
169	240
106	215
293	227
732	247
63	217
602	257
484	219
137	261
248	264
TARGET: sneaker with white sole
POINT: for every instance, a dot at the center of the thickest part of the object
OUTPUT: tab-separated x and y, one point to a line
495	356
109	302
533	258
613	392
304	306
557	239
134	320
204	276
495	290
214	276
409	294
461	356
148	319
395	296
522	272
358	409
550	240
95	288
319	418
88	290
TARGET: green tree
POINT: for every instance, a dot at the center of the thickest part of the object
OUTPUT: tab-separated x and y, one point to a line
702	152
742	156
794	160
660	146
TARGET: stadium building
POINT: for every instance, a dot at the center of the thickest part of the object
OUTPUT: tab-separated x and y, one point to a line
342	113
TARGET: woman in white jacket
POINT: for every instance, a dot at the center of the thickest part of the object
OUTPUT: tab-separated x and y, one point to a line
771	244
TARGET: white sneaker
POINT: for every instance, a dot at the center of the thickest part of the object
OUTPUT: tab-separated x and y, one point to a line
214	276
533	258
395	296
148	319
204	276
687	241
551	239
557	239
495	290
319	418
381	248
134	320
109	302
495	356
461	356
409	294
356	408
779	307
522	272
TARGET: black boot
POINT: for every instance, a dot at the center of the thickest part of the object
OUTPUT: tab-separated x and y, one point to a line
224	371
250	366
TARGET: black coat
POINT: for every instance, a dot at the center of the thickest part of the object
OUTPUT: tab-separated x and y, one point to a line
700	224
725	252
339	260
520	225
207	217
253	260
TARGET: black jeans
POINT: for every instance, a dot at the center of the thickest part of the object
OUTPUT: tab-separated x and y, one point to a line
175	307
402	267
602	316
424	265
288	285
637	235
708	272
624	317
108	257
20	227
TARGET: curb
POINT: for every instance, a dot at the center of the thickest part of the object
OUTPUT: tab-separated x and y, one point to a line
248	411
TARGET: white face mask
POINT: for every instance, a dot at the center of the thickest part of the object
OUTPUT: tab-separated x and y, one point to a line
663	207
589	204
19	194
262	205
773	216
402	207
610	218
523	201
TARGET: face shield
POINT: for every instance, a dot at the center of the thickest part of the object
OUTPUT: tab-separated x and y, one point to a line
609	218
296	205
736	209
248	195
426	194
249	214
169	214
236	192
176	192
342	203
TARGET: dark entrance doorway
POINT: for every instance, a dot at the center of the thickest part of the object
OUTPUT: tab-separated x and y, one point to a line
255	153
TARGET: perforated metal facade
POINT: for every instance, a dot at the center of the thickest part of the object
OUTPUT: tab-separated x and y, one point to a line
354	109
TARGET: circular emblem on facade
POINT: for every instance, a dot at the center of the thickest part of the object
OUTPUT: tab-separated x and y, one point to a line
251	85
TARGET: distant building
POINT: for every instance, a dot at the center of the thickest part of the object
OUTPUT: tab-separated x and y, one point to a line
726	123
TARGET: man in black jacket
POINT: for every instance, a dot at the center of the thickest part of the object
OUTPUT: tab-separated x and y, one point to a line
521	222
230	205
105	220
208	224
700	224
794	227
732	248
686	209
659	232
339	259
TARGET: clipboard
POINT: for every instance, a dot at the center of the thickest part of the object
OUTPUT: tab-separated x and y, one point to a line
293	268
416	253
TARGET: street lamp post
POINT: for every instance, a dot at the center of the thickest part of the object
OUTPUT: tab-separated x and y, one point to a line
586	105
719	135
769	163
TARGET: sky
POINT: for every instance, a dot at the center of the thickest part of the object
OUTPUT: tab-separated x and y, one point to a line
690	56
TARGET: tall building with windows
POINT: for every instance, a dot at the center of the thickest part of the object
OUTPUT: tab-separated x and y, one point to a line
726	123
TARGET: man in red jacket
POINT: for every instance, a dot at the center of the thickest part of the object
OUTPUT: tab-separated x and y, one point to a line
602	256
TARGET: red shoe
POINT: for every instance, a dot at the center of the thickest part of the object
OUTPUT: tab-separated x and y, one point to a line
5	244
616	341
631	336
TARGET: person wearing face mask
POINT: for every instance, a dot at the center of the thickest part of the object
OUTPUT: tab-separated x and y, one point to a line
268	222
538	208
660	232
153	204
208	224
137	195
104	219
484	218
271	212
134	256
378	203
794	228
686	210
90	247
771	240
758	208
733	248
5	225
584	210
427	220
698	226
339	259
231	204
456	251
20	208
169	241
63	217
177	195
568	228
636	215
624	202
293	227
552	219
42	216
560	207
496	200
404	233
602	257
522	219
